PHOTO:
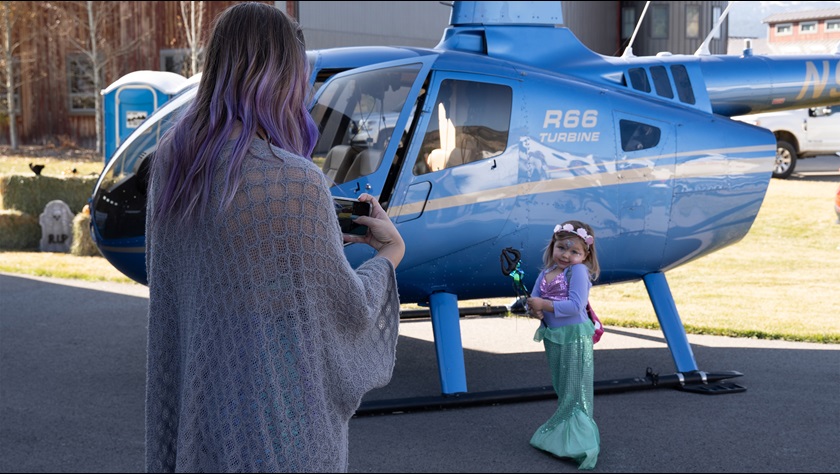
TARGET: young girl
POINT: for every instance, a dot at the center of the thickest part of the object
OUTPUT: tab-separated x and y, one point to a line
559	299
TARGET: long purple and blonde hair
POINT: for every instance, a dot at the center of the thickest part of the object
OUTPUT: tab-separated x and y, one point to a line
256	73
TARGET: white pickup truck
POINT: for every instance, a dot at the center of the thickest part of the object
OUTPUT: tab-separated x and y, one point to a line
800	133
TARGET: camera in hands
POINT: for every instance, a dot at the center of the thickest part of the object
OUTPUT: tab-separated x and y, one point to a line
347	209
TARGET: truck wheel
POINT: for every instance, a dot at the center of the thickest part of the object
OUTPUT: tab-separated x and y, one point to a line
785	160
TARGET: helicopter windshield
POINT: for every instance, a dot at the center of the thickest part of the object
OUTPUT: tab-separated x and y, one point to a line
119	203
356	115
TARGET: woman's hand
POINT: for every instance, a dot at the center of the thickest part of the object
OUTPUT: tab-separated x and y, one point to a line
382	235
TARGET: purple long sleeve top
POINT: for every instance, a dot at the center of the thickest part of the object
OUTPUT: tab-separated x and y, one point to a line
569	292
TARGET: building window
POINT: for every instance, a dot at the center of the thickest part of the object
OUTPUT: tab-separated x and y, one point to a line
832	25
659	24
692	21
82	93
808	28
784	29
628	22
178	61
716	12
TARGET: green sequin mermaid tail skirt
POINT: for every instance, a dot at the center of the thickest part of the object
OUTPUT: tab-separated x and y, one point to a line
571	432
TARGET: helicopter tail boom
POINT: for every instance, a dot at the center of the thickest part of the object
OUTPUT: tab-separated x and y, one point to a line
751	84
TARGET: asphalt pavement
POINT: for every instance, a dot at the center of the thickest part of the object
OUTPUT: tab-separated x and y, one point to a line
825	166
72	373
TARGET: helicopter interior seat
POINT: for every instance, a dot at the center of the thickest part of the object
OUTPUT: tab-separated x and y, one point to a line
337	162
368	160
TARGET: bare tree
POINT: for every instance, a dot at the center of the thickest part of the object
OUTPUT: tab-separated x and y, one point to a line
86	32
8	48
11	79
192	14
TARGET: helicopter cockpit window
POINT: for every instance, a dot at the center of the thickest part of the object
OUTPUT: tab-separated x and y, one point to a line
470	122
683	83
661	82
356	116
637	136
639	79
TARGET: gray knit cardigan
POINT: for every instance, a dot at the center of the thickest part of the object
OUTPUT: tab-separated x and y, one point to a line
262	338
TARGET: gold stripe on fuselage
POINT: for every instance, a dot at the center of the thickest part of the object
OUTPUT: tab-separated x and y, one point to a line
710	163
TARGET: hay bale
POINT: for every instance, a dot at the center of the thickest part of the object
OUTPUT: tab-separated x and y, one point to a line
30	194
83	245
19	231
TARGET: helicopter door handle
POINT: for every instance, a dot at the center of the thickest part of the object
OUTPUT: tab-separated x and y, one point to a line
494	164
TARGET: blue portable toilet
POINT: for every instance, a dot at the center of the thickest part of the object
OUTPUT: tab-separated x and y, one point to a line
131	99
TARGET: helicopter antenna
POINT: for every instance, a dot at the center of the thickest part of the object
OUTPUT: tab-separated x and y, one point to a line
703	50
628	51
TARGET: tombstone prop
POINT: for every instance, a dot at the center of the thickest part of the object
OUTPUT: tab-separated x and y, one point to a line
56	227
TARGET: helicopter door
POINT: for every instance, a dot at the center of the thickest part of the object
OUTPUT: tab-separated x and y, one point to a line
645	169
458	158
358	112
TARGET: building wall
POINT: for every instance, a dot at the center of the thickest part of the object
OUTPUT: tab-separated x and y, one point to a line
676	40
149	27
596	24
797	36
142	29
359	23
821	41
421	24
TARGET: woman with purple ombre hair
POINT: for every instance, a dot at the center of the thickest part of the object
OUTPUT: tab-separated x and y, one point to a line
262	337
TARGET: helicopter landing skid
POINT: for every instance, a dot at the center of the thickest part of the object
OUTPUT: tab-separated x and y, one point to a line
445	315
697	382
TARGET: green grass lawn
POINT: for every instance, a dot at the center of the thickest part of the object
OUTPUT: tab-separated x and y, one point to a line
57	162
780	281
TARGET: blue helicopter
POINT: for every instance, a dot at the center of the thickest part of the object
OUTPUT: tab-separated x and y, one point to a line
504	129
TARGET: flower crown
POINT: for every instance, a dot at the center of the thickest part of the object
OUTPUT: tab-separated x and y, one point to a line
580	232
